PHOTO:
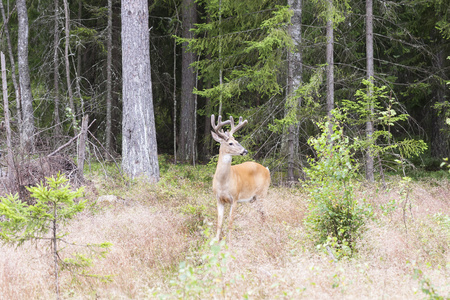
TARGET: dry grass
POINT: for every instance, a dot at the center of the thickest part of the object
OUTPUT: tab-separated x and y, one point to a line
154	228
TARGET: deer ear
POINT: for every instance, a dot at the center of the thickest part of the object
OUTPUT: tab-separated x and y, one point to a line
216	137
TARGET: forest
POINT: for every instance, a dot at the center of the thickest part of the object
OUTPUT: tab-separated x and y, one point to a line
109	149
283	69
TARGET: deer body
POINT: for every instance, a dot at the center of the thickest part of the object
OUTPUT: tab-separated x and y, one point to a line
245	182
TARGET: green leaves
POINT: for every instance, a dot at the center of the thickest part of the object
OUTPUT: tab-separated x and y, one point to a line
54	201
373	104
247	41
336	218
202	277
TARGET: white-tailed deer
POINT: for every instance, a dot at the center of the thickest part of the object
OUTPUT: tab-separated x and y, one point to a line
245	182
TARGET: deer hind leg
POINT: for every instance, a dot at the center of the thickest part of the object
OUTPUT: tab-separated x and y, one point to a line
220	210
260	207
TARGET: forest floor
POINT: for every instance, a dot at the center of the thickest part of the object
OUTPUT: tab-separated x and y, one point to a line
404	254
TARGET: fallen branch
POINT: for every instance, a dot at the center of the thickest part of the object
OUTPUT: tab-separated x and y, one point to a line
69	142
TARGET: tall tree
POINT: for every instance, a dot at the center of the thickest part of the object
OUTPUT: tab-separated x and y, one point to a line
67	63
108	131
56	35
186	146
13	64
139	150
294	81
330	59
370	77
27	128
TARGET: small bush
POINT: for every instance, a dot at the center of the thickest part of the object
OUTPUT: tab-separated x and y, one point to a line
335	217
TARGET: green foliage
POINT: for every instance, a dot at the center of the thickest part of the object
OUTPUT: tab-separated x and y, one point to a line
79	264
426	286
445	164
336	218
369	106
247	41
204	275
307	92
55	202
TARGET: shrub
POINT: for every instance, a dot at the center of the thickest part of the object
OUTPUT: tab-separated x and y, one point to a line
335	217
55	205
202	275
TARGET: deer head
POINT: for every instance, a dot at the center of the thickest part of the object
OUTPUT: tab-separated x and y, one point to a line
228	145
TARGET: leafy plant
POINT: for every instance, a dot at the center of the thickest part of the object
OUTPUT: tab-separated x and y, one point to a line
55	205
204	276
336	218
426	286
384	116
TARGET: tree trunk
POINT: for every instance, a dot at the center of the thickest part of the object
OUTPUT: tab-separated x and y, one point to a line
186	144
330	63
370	77
66	58
294	80
9	158
27	128
79	64
440	146
13	65
57	120
82	148
108	131
55	252
139	150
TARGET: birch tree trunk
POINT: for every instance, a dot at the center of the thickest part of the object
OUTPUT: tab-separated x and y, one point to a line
186	144
330	62
139	150
27	127
294	80
370	77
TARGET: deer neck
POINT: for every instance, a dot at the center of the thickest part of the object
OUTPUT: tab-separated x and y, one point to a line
223	170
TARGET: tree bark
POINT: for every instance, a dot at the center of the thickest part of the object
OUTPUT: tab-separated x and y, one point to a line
13	64
139	150
330	63
27	127
370	77
294	80
9	158
67	63
186	146
82	148
78	70
57	119
440	144
108	131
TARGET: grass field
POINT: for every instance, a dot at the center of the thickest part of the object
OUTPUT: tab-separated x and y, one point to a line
404	254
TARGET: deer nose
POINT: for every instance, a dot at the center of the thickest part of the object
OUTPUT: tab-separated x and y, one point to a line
244	152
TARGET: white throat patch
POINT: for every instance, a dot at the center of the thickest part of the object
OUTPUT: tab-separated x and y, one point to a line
226	159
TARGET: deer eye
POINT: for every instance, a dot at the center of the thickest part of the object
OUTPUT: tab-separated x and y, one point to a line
231	144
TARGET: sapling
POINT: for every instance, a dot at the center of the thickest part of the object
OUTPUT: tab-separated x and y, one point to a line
55	204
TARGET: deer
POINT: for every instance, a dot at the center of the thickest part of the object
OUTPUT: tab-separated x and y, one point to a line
246	182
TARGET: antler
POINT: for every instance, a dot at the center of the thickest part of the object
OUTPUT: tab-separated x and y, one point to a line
219	125
239	126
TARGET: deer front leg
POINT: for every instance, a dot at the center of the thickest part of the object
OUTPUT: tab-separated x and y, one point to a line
230	222
220	210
